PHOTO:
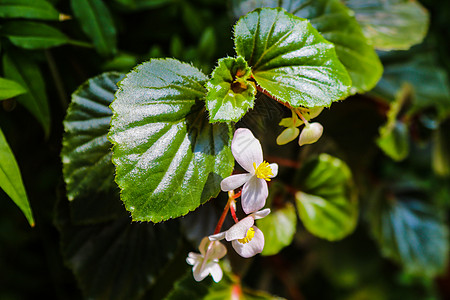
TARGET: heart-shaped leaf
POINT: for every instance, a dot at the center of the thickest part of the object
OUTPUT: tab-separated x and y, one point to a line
290	59
230	94
391	24
86	153
327	203
336	23
168	158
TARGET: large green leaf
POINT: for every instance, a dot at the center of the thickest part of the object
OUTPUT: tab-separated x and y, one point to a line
96	21
86	153
10	89
337	24
428	80
168	158
118	259
391	24
230	94
411	232
290	59
33	35
35	9
18	67
327	203
279	228
11	180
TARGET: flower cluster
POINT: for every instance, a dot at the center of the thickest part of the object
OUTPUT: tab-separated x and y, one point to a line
309	135
246	239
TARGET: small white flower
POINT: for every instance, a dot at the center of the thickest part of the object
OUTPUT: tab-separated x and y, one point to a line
291	124
248	153
207	262
245	238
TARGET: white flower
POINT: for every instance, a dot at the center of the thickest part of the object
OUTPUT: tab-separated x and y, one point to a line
247	151
308	135
207	261
245	238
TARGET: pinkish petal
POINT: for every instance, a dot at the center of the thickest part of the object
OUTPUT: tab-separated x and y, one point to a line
217	237
254	195
274	168
253	247
204	245
246	149
199	272
239	230
216	271
218	250
234	181
261	214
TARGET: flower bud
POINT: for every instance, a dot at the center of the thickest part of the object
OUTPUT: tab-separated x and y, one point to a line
288	135
310	134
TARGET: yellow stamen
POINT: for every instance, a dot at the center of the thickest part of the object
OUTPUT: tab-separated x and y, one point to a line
248	237
263	171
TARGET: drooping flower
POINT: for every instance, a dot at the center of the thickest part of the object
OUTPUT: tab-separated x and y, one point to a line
310	134
291	124
246	239
248	153
207	262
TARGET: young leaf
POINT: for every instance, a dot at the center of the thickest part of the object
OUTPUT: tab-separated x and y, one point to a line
327	203
86	152
96	21
411	232
279	228
20	68
336	23
33	35
11	180
169	159
290	59
10	89
118	259
36	9
391	24
230	94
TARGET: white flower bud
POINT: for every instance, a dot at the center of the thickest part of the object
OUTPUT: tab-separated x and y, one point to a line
310	134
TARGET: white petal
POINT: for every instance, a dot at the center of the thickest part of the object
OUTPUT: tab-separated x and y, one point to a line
200	273
239	230
274	168
234	181
255	246
216	272
261	214
194	258
218	236
246	149
310	134
254	195
218	250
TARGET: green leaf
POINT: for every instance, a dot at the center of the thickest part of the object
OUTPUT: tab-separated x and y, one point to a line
10	89
327	203
18	67
230	94
11	180
86	152
279	228
33	35
118	259
391	24
36	9
441	150
97	23
336	23
169	159
411	232
428	80
290	59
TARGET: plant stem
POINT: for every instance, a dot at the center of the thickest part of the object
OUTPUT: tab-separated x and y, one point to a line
57	78
231	199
